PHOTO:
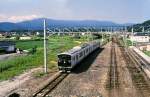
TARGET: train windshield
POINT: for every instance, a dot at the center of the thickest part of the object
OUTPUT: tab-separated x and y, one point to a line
64	60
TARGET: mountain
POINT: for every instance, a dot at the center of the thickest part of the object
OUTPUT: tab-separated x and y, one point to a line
37	24
6	26
139	27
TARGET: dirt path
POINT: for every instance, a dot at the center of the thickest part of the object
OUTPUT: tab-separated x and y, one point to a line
8	56
11	85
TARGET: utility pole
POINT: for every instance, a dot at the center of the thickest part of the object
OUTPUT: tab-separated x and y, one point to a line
101	29
91	34
124	37
45	48
132	35
143	30
88	34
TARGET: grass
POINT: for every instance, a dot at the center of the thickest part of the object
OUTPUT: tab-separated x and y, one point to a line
38	74
147	53
127	42
25	44
12	67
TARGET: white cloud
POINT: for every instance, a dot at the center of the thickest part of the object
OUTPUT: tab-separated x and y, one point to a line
55	9
22	18
4	18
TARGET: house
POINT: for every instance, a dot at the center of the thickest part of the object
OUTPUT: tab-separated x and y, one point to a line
8	46
140	37
1	35
25	38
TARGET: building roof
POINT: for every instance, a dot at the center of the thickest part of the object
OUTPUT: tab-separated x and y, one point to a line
142	34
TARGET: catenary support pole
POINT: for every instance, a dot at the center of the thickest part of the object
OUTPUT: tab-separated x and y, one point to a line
132	35
45	48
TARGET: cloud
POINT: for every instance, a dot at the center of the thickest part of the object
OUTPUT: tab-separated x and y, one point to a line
18	18
22	18
124	10
18	11
2	17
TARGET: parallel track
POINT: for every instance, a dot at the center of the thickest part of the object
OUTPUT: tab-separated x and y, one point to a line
48	88
138	76
113	75
144	63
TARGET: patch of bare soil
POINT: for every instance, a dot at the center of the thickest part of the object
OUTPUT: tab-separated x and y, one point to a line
9	56
24	84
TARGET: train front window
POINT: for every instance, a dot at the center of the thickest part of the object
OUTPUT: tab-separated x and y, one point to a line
64	60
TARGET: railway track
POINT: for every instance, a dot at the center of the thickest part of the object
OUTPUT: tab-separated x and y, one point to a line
144	63
139	78
49	87
113	75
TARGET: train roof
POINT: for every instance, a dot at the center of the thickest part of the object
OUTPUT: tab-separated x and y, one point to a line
76	49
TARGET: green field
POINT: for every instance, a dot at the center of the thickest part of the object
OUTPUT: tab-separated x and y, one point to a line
56	44
147	53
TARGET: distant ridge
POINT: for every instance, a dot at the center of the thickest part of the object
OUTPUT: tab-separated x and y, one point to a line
139	27
37	24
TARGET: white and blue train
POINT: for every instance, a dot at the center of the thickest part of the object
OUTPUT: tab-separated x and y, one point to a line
68	60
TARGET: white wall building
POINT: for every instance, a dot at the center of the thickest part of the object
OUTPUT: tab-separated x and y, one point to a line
140	38
25	38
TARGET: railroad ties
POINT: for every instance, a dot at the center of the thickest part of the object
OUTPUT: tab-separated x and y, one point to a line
48	88
113	73
140	80
113	81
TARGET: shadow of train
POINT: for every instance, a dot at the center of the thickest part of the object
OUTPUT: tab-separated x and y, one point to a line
85	64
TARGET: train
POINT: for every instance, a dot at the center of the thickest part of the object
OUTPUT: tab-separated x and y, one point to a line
69	59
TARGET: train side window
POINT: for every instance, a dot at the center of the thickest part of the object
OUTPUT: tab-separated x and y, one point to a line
81	54
77	57
86	50
74	58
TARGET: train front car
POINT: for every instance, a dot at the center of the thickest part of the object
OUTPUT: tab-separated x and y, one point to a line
64	62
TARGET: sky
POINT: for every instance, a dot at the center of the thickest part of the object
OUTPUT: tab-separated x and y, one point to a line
119	11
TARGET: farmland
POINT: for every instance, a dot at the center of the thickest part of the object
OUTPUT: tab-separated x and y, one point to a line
55	44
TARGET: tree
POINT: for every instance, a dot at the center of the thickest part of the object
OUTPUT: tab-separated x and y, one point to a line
17	37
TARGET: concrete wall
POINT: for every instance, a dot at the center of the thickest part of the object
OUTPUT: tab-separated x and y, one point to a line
140	38
145	48
148	47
